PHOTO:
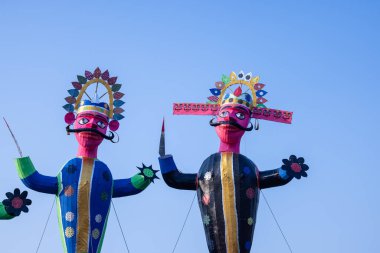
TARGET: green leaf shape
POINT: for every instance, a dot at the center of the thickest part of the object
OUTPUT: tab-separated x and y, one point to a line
82	79
73	92
68	107
118	103
118	117
116	87
225	79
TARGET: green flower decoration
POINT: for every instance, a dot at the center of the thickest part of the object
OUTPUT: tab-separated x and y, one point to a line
148	173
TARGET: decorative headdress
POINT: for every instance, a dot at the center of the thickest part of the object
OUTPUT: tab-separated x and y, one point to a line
253	99
112	110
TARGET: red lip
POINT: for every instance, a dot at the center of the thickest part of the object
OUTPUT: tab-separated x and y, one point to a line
90	135
230	128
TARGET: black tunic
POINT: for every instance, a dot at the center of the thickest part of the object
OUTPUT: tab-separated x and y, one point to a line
228	188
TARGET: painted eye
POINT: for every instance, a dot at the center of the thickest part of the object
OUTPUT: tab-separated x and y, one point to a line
223	114
241	75
83	121
240	115
101	124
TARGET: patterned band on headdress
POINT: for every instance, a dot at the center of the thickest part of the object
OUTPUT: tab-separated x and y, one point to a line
88	106
255	102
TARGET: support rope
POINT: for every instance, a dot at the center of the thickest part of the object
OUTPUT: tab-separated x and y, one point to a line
278	225
46	223
121	229
184	223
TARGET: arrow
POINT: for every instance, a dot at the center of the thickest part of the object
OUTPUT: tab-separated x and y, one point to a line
161	149
14	138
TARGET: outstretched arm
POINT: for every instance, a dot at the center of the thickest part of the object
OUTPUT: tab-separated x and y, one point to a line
294	167
173	177
13	205
273	178
135	184
34	180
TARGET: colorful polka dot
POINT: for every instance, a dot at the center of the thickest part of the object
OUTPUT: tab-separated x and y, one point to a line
95	233
71	169
70	216
247	170
104	196
211	245
250	221
247	245
207	175
106	176
98	218
69	232
69	191
250	193
206	219
206	199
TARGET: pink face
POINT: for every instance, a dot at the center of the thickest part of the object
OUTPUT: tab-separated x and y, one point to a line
94	121
228	133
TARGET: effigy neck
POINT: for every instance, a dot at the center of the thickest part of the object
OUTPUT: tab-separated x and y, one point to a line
229	147
88	152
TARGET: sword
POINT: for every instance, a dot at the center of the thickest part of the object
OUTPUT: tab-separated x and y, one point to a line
161	149
14	138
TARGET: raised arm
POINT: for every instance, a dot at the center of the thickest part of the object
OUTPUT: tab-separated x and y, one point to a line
135	184
34	180
294	167
13	205
173	177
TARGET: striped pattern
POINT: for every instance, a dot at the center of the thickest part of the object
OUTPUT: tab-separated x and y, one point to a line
84	189
93	108
229	203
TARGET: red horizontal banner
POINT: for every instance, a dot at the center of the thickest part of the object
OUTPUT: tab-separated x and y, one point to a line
212	109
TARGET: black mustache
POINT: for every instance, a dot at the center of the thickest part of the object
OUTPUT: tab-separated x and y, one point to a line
232	123
93	130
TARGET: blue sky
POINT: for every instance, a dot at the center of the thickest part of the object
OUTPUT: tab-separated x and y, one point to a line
319	59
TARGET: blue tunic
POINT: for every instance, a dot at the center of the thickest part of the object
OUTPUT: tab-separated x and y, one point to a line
85	192
84	189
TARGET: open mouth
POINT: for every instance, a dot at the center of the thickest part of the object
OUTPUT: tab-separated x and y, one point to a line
230	128
90	135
